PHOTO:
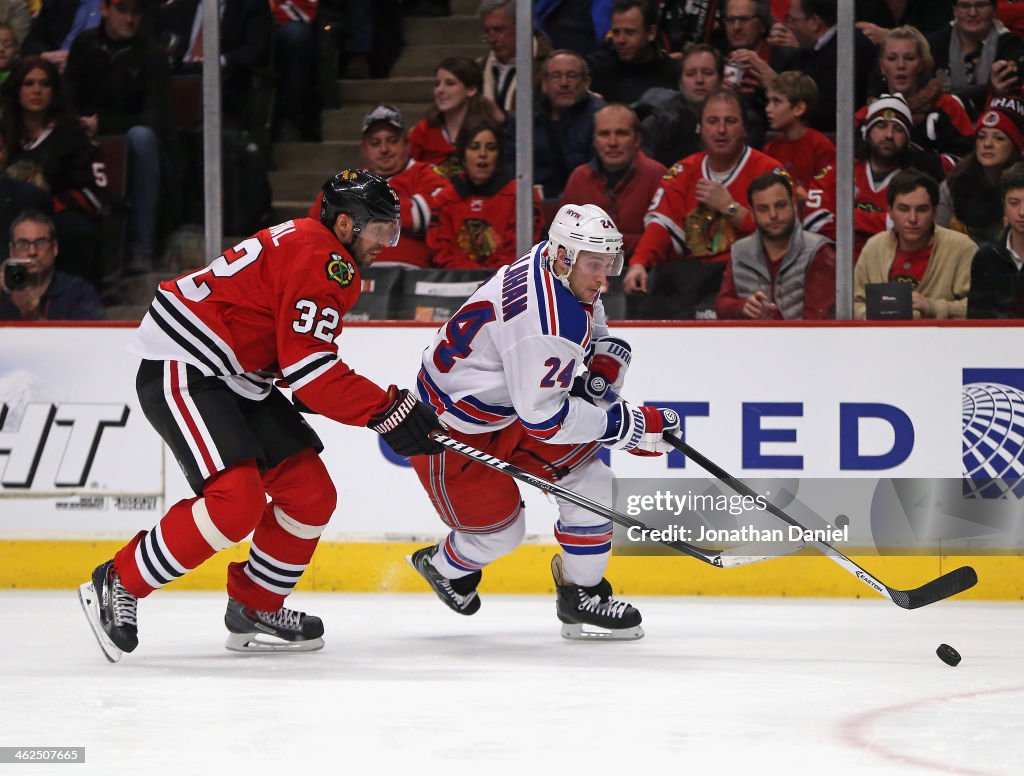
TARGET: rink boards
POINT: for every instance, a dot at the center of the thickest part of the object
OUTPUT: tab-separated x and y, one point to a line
81	470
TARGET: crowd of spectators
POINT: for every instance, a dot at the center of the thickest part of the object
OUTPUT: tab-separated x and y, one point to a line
704	127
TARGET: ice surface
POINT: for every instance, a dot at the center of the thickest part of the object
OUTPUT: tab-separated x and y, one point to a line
741	686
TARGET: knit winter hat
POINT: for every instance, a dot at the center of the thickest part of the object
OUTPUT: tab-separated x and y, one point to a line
1007	115
889	107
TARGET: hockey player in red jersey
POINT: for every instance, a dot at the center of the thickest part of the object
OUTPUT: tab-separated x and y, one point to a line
213	343
500	374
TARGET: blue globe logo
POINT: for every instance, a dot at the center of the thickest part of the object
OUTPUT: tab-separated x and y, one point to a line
993	440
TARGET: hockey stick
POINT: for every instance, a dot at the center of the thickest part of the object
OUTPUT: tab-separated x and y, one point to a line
734	556
949	584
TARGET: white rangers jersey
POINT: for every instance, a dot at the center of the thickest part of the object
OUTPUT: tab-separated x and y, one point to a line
511	351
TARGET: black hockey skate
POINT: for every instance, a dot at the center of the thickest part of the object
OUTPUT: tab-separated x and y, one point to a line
592	612
459	594
285	630
111	611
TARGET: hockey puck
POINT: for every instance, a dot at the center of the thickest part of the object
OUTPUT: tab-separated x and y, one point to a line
948	655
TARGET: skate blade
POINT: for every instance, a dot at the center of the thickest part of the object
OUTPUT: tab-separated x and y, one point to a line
258	643
90	602
577	631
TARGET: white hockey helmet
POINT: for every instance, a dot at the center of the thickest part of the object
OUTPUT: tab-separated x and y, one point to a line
586	228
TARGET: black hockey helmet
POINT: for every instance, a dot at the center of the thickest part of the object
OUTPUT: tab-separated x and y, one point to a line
360	194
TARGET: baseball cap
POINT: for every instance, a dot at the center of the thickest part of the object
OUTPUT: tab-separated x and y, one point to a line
387	114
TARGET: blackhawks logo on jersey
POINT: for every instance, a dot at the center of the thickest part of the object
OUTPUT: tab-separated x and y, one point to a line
341	270
673	171
477	239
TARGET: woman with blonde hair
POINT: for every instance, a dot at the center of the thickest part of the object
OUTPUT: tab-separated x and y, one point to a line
906	66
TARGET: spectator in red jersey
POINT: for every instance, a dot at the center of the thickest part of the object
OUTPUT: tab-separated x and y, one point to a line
803	150
214	345
1011	14
458	82
473	225
782	272
939	121
696	216
884	151
385	150
620	179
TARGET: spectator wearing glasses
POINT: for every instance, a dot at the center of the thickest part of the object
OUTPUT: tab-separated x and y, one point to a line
498	19
811	28
633	61
563	122
42	132
751	60
44	293
977	55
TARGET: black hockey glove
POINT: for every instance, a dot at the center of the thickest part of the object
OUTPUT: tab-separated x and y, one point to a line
406	424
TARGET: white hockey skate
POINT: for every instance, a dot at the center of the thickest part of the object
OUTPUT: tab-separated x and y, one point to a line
285	630
592	613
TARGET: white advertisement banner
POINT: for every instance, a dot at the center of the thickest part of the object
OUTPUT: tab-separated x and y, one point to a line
78	459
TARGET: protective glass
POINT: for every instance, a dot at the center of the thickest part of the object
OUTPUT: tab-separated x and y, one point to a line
595	264
382	232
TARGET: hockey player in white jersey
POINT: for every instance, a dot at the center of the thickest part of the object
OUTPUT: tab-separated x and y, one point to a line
521	371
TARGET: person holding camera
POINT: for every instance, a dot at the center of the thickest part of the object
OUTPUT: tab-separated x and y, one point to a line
33	289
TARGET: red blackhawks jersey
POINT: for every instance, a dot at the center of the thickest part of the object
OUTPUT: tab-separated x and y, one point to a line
803	159
416	186
870	204
474	227
676	224
270	307
428	143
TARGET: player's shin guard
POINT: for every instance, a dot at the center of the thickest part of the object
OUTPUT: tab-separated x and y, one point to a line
586	549
192	531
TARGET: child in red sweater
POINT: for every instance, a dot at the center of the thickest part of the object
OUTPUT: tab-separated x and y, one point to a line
803	151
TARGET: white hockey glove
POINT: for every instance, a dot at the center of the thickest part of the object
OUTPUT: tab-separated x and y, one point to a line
639	429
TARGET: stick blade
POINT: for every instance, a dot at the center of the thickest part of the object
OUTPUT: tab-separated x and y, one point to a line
949	584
